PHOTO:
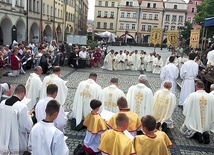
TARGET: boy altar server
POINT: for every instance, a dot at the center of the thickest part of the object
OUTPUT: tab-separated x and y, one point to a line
149	143
134	120
114	141
45	138
95	127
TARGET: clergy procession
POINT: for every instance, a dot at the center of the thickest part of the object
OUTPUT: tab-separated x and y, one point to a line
135	118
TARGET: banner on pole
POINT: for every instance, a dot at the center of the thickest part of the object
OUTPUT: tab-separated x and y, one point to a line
156	36
194	38
172	38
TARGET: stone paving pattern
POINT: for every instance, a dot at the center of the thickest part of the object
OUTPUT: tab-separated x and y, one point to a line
181	145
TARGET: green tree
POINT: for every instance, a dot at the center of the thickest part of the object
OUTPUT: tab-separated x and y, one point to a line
186	31
204	10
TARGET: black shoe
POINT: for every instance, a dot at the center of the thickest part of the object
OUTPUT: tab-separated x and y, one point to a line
206	138
164	127
200	138
158	125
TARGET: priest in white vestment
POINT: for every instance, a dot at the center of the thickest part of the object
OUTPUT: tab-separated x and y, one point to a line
127	63
45	138
120	61
143	59
33	87
6	91
164	104
109	61
188	73
157	65
54	78
51	93
149	62
181	60
169	73
140	98
87	90
16	123
198	110
135	61
110	95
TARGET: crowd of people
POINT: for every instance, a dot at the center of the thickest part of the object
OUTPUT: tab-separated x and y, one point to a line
129	121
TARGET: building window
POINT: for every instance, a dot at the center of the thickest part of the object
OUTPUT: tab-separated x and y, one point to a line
167	18
51	11
166	27
20	2
128	15
105	25
172	27
122	14
47	9
112	4
144	16
43	8
174	18
58	13
127	3
180	19
99	14
193	9
143	27
111	26
106	3
148	5
150	16
105	14
30	5
121	26
131	4
155	26
189	19
193	21
175	6
133	26
196	3
112	15
127	26
149	27
37	6
134	15
61	14
156	16
154	5
98	25
34	5
100	3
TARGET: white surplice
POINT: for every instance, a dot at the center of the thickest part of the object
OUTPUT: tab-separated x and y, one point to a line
61	84
86	91
46	139
120	62
127	63
157	65
109	97
181	61
163	106
108	61
149	63
16	123
33	87
188	72
210	57
136	61
139	98
169	73
198	110
143	59
61	119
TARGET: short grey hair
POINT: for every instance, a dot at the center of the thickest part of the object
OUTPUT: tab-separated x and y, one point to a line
212	87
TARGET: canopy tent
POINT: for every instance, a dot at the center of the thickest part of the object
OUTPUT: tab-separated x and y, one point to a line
209	22
107	34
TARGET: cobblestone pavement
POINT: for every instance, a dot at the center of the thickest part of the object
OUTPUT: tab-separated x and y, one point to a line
181	145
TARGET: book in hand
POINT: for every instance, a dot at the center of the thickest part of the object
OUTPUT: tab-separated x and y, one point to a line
128	134
106	115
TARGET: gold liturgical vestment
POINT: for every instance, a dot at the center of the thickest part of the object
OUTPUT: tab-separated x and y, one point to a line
114	142
145	145
134	121
94	123
164	136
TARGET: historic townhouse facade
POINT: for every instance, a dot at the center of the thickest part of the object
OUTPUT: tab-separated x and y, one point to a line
191	11
39	20
174	14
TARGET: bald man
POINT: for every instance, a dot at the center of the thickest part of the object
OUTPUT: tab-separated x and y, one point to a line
163	106
212	89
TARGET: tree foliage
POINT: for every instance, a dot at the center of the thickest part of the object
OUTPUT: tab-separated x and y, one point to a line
186	31
204	10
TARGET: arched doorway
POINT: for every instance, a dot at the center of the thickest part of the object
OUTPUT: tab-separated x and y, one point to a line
34	33
47	34
20	26
59	34
66	33
71	30
6	27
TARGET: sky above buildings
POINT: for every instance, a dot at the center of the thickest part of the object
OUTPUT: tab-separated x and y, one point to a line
91	9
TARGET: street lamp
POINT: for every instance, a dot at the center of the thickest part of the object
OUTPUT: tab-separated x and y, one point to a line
139	10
